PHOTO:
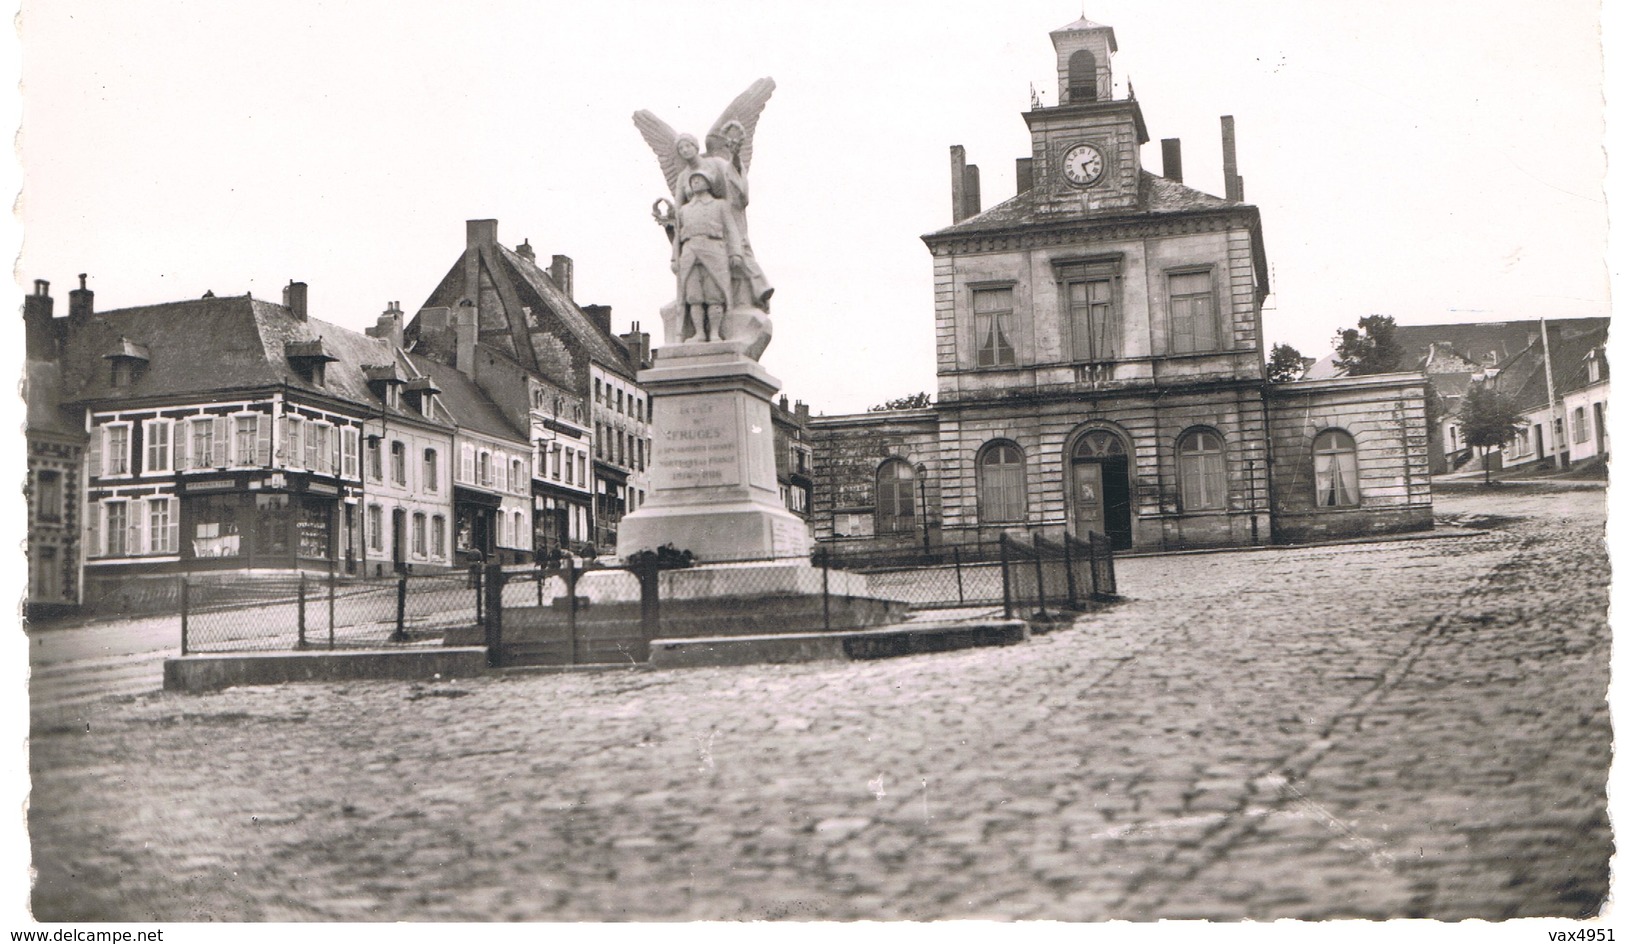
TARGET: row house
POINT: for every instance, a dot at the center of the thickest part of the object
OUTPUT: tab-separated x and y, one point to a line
496	312
1563	405
55	441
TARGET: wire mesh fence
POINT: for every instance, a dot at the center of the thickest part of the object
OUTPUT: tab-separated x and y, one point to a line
602	614
309	611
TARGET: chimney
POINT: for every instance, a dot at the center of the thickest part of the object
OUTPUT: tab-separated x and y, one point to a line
973	190
956	179
524	251
391	326
637	345
803	413
81	304
1232	180
39	332
1024	174
296	298
1173	167
468	335
784	402
563	274
482	233
597	314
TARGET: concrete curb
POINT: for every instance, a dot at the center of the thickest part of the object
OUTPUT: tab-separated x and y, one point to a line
207	673
879	643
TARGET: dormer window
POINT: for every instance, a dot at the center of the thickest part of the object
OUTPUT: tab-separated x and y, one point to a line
420	392
309	360
127	362
385	382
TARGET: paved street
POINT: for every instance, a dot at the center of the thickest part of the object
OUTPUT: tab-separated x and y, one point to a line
1413	728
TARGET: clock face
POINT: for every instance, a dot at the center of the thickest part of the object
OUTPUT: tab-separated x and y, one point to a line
1083	165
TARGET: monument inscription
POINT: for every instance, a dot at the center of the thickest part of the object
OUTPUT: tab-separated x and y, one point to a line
701	445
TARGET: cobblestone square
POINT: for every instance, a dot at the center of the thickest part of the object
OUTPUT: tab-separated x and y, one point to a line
1413	728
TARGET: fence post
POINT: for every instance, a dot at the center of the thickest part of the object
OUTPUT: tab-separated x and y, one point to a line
399	635
649	585
1004	573
331	584
826	596
493	615
301	611
1071	584
1038	566
570	612
185	607
959	575
541	580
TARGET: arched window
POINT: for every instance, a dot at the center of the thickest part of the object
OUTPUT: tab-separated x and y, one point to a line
1336	471
1201	471
1080	72
1001	482
894	497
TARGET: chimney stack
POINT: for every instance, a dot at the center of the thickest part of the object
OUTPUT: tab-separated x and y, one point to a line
1173	166
391	326
524	251
637	346
563	274
956	180
803	413
597	314
482	233
39	332
1232	180
1024	174
467	326
296	298
973	190
81	304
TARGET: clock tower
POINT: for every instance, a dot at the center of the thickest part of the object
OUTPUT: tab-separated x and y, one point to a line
1086	149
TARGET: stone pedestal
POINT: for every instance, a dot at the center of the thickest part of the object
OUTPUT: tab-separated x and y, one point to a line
715	488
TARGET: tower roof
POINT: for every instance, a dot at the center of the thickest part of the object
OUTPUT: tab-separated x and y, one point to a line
1083	24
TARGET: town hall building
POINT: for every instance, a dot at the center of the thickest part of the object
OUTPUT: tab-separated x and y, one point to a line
1101	367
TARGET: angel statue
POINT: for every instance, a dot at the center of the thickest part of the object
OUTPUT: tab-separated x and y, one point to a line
721	291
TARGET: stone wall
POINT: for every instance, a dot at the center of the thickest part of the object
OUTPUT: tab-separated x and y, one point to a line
1386	416
847	452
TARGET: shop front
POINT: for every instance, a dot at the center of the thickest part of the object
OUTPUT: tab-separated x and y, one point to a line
278	521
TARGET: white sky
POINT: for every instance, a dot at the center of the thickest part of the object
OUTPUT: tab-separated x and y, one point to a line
1436	161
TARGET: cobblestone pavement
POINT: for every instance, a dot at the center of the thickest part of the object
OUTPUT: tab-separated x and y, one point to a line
1402	729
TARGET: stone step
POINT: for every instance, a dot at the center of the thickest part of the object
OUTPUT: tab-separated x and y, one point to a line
883	642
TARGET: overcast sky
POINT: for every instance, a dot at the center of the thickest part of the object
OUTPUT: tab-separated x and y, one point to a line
1436	160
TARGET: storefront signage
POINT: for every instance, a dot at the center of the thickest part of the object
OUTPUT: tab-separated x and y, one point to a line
210	485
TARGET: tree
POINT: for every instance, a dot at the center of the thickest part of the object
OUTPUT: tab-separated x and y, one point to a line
913	401
1286	364
1488	418
1370	349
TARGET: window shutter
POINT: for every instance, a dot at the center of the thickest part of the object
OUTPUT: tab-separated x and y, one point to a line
501	462
468	463
93	530
139	526
222	436
181	444
262	440
282	440
173	539
335	455
95	459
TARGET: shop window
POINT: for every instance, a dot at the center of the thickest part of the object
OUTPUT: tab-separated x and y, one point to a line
1336	471
216	524
1001	483
894	497
1201	471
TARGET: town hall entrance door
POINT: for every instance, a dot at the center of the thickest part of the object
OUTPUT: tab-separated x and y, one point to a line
1099	493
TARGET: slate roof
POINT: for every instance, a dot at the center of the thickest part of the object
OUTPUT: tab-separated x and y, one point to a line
211	348
1486	343
467	405
529	282
1158	196
42	388
1524	376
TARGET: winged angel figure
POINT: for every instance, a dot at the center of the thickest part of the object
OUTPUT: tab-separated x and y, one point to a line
721	291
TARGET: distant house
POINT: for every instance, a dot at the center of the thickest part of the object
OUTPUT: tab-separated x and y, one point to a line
1567	423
